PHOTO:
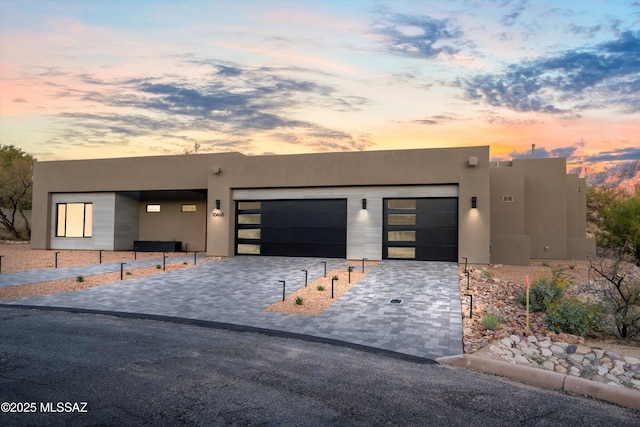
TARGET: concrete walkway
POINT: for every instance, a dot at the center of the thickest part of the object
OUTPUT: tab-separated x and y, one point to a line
427	324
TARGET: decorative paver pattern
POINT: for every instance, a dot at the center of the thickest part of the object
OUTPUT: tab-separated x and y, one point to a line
427	324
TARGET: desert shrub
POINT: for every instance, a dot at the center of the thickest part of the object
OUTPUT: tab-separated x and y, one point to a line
574	316
320	288
487	274
619	292
545	292
542	294
490	321
299	301
80	279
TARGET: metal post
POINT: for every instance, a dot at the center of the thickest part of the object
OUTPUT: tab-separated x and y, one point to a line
306	275
186	248
350	269
135	255
121	269
164	261
100	256
194	257
467	273
363	260
283	287
470	305
465	263
333	279
56	259
1	263
325	268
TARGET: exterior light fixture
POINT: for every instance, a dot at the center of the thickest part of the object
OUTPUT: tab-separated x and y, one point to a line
217	211
364	203
474	202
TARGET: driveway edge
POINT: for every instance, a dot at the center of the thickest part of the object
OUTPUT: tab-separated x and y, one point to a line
537	377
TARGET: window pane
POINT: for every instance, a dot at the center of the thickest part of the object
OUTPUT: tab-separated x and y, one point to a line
244	206
88	219
75	220
153	208
189	208
402	236
62	219
401	204
249	219
402	252
402	219
252	233
249	249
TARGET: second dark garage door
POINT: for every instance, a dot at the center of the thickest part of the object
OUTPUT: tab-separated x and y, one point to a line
312	228
421	229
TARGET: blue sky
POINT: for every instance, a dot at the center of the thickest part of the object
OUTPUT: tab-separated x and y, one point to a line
95	79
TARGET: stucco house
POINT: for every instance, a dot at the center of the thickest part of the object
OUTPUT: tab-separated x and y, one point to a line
426	204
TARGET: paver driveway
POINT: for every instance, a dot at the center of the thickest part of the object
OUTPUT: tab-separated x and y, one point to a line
428	323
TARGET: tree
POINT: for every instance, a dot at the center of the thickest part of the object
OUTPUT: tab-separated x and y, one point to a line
620	229
16	182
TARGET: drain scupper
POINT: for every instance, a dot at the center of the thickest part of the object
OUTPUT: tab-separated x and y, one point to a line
395	301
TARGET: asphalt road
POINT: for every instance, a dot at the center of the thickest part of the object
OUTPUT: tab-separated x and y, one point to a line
88	369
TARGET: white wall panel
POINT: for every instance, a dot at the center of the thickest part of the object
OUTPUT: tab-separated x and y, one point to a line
364	226
103	221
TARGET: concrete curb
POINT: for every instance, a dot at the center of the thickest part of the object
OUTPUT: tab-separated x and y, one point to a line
547	379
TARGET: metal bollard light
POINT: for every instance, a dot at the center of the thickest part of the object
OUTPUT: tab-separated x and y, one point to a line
333	279
56	259
1	263
121	269
325	268
306	275
283	287
470	305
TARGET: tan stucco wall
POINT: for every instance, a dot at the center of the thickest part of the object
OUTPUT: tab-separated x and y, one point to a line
399	167
370	168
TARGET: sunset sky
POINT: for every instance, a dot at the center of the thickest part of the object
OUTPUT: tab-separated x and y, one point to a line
96	79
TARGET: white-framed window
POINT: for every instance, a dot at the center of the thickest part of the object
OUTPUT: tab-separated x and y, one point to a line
153	208
74	219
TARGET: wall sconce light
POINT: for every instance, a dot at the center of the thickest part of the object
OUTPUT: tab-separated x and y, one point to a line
364	203
474	202
217	212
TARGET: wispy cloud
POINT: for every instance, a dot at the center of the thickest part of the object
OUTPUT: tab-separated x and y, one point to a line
418	35
567	83
232	99
514	13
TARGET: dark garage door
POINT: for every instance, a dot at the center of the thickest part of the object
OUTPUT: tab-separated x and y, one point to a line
313	228
421	229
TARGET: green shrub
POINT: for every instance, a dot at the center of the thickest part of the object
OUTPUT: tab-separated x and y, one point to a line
320	288
491	321
574	316
545	292
299	301
158	266
542	294
487	274
79	279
